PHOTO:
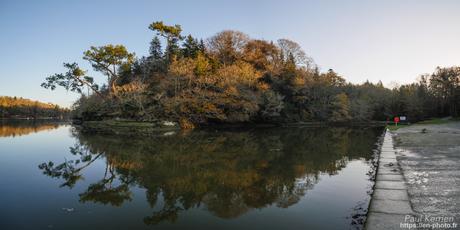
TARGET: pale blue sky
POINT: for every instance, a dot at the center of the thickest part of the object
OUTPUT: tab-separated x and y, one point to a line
392	41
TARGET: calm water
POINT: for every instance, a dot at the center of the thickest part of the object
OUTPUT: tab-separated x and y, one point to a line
54	177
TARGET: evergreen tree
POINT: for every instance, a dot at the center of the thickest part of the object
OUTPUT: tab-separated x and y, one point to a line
155	49
202	47
172	36
172	50
191	47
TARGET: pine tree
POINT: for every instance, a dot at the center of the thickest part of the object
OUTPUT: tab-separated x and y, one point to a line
155	49
191	47
202	47
172	50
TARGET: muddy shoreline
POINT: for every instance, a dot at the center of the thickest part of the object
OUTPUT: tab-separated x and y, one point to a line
126	127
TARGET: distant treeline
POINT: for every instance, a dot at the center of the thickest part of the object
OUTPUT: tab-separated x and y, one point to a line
18	107
232	78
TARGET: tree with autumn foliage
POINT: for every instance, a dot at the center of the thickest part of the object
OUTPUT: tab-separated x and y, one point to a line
233	78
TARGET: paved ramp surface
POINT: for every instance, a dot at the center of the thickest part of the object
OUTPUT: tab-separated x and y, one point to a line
429	156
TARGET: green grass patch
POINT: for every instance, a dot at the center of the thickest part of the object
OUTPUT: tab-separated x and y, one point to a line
434	121
396	127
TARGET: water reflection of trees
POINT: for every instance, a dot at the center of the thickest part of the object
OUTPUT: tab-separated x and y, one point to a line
24	127
229	173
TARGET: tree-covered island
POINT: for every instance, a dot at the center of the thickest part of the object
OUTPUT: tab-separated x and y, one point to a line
232	78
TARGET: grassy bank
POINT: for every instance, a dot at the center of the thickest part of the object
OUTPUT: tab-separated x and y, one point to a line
396	127
434	121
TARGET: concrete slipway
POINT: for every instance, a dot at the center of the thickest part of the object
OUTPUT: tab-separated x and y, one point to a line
390	202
